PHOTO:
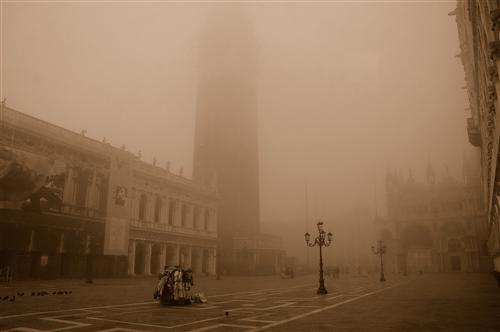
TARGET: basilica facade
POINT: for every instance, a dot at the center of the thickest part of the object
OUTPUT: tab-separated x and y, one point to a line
72	206
434	226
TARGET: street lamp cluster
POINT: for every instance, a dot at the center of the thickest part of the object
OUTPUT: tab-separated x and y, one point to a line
380	250
324	240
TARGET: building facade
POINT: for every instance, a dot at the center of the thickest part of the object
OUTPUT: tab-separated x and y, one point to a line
436	226
259	255
478	24
72	206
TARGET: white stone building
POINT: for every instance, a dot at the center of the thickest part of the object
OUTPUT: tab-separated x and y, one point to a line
71	205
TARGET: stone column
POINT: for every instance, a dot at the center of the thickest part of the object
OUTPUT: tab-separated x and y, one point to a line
213	265
163	256
197	263
182	256
147	258
210	259
189	261
131	258
177	253
187	257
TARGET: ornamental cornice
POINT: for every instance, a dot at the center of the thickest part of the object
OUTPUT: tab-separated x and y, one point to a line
166	185
50	133
140	235
25	141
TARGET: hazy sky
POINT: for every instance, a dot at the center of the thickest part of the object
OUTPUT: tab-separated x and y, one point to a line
345	89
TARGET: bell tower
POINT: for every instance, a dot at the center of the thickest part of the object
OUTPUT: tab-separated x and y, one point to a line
226	135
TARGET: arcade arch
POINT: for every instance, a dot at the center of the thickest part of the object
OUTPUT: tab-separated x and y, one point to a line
140	252
155	259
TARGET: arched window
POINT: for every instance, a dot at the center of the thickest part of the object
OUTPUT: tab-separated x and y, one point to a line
142	206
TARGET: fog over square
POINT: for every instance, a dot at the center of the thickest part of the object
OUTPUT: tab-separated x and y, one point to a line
249	165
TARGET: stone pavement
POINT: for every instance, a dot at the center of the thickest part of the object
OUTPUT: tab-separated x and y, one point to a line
434	302
420	303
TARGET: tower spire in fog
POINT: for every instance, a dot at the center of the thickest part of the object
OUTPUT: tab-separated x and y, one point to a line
226	142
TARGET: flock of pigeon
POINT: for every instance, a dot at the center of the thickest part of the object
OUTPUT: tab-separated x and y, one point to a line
12	298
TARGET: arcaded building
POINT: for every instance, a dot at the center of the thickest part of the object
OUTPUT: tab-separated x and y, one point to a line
437	225
478	24
70	204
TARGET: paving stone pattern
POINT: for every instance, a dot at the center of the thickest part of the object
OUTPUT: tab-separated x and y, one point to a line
465	302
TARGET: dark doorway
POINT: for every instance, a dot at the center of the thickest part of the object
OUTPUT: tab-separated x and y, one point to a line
155	259
139	259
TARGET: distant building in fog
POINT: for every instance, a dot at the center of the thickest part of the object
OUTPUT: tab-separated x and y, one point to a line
64	196
226	143
436	226
478	25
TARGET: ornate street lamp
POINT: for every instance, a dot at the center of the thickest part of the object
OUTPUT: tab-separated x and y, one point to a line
381	249
322	240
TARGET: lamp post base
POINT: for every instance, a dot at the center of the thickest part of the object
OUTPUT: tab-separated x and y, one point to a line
322	290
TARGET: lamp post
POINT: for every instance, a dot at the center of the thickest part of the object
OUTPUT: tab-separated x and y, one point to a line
322	240
381	249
